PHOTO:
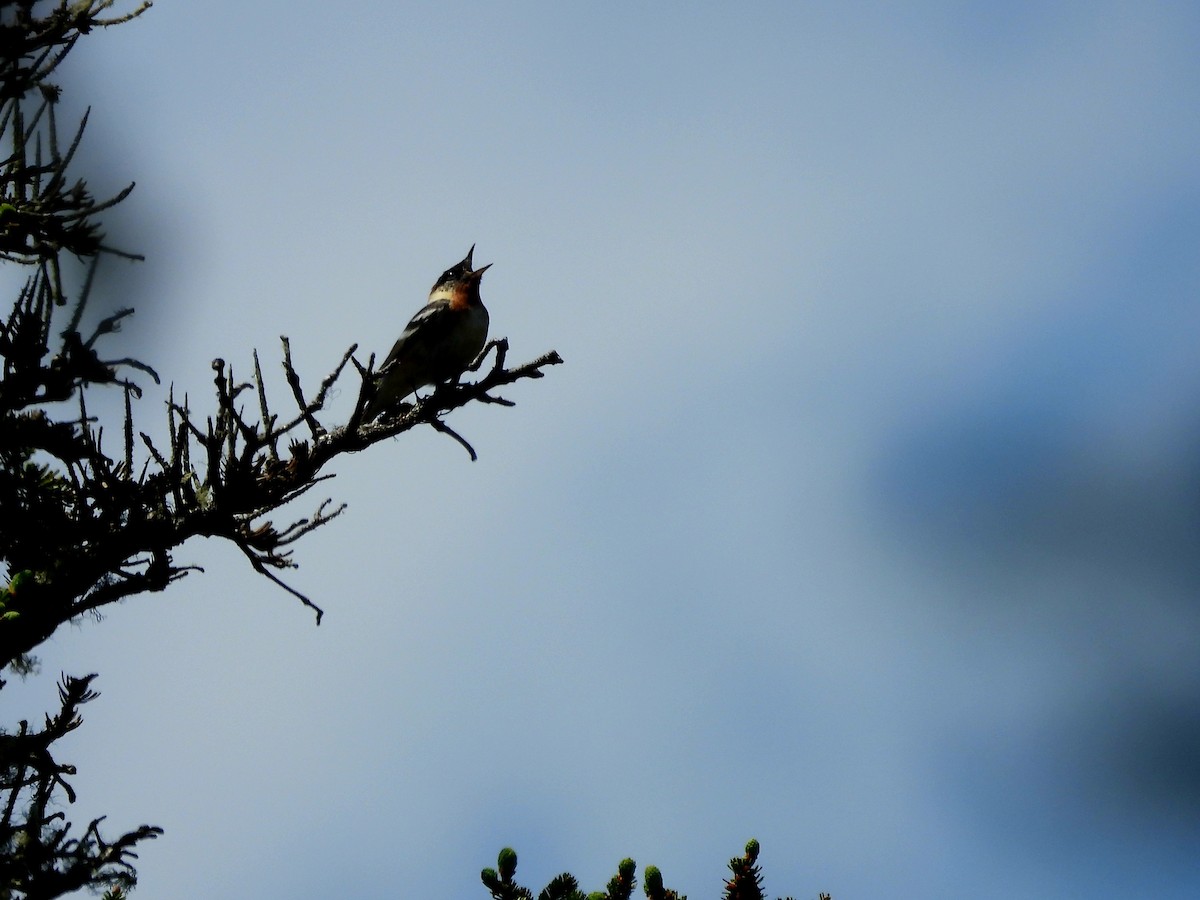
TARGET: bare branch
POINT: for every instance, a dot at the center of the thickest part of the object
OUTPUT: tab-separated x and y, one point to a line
128	432
293	381
261	569
439	425
298	529
265	417
120	20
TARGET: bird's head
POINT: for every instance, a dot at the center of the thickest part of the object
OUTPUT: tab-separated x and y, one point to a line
455	273
459	282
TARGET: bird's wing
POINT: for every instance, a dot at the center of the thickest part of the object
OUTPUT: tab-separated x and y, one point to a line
433	322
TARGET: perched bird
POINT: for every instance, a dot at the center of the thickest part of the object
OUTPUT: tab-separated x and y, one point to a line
439	342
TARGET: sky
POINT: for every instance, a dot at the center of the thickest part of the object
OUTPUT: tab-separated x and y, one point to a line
862	518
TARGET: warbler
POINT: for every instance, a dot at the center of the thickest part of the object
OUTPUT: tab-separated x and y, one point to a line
439	342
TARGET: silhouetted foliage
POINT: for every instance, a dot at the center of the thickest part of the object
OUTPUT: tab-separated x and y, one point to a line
745	883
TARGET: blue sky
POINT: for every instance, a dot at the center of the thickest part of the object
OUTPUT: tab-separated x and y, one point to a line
862	518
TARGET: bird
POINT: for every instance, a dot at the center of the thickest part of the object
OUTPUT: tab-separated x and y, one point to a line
439	342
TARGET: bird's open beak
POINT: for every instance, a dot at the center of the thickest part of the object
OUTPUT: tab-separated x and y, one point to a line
478	273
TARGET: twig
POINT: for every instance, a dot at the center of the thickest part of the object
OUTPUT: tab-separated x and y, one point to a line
128	432
293	381
261	569
119	20
301	527
439	425
267	420
133	364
